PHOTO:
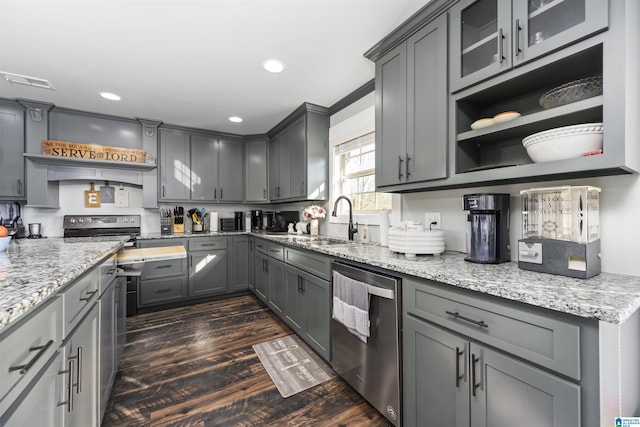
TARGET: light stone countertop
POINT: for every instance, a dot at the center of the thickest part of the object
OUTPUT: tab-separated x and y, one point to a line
612	298
33	270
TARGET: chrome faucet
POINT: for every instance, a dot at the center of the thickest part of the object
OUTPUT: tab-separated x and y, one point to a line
351	230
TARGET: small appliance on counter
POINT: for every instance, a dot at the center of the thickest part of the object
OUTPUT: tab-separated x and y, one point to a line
239	220
280	220
256	220
227	224
13	222
561	231
487	228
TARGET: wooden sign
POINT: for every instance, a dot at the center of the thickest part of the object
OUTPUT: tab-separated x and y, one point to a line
91	198
91	151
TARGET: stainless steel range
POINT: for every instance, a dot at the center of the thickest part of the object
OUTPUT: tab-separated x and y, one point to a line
108	225
101	225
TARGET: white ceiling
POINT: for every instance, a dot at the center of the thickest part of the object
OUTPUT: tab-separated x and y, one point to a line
194	63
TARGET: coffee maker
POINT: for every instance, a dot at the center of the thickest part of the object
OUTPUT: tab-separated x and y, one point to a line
256	220
487	228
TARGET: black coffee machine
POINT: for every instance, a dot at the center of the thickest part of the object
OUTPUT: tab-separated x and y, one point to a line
239	220
487	228
256	220
13	222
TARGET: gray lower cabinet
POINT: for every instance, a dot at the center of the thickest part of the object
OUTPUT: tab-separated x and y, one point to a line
165	281
411	114
40	405
469	361
81	360
261	281
12	183
276	283
108	351
208	266
239	262
449	380
308	308
251	260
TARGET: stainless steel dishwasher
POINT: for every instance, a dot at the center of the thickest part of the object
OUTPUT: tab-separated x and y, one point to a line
373	368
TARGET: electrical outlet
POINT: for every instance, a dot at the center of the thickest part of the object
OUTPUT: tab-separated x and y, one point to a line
432	221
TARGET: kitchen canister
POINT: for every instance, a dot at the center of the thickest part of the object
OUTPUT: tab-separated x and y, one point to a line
213	221
384	227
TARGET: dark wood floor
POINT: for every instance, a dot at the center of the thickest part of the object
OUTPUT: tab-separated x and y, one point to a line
194	366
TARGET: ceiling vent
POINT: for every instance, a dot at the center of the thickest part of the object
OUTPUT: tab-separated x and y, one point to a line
17	79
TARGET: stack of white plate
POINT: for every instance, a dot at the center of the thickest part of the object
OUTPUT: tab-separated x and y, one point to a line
412	243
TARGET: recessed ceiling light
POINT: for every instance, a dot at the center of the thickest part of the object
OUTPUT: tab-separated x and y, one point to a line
110	96
273	66
17	79
235	119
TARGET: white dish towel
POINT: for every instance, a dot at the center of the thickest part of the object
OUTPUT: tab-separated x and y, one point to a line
351	305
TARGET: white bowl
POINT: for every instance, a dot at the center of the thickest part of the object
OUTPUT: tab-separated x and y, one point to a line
564	143
4	242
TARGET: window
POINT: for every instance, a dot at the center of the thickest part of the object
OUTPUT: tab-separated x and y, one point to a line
354	176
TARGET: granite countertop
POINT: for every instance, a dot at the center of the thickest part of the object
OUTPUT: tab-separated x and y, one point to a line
612	298
32	270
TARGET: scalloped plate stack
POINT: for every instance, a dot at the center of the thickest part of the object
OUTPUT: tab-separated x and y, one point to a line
412	243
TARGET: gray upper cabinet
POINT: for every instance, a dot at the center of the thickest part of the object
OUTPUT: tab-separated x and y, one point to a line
504	55
256	182
491	36
204	179
299	155
12	183
200	167
175	165
411	115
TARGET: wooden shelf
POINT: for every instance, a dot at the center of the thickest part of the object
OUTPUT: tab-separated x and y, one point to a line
66	161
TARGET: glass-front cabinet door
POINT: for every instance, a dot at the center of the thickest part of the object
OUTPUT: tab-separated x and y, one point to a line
480	40
542	26
489	37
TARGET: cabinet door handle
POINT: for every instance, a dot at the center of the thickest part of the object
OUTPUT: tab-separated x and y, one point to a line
399	167
190	260
163	266
78	357
163	191
518	29
458	376
19	187
215	193
89	296
501	45
163	291
475	385
299	284
69	401
467	319
41	349
407	166
264	193
221	194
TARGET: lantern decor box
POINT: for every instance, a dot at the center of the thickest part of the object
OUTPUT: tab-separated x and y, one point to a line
312	213
561	231
91	152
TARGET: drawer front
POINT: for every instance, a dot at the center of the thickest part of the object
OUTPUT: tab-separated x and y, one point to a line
107	272
275	250
157	243
78	298
164	268
205	244
161	291
310	262
541	339
261	246
27	347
